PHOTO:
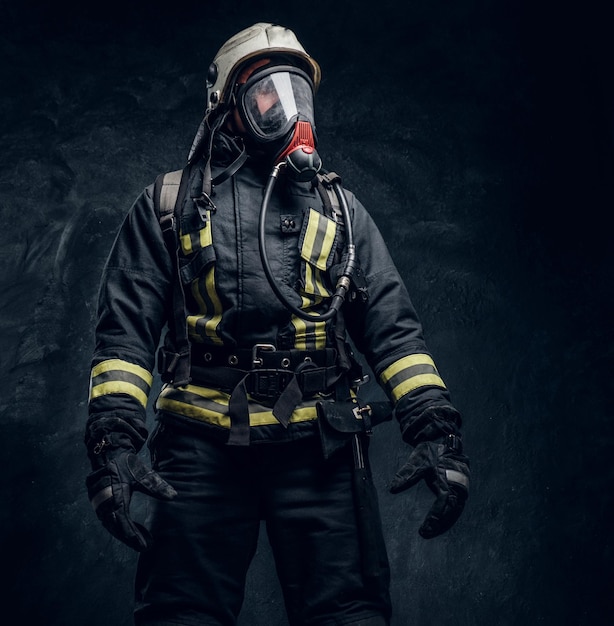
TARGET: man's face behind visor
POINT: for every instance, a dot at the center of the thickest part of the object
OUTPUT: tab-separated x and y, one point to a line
273	100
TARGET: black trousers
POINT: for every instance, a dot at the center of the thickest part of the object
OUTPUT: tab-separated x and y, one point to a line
204	539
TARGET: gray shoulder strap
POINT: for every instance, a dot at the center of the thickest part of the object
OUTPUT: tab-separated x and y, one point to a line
329	197
168	192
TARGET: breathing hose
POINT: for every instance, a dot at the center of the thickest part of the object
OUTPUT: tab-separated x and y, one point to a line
344	280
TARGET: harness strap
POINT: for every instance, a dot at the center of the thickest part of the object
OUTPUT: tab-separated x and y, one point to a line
285	388
232	169
207	185
238	409
169	188
262	356
328	195
281	377
267	384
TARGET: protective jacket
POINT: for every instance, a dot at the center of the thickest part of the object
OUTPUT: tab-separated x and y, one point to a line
234	319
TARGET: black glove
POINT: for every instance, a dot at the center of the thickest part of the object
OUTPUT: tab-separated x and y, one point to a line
110	487
445	470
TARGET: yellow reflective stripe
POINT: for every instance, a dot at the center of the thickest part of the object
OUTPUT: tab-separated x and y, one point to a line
404	363
206	324
119	386
202	306
409	373
266	418
315	340
189	410
212	324
310	287
300	333
188	240
258	416
421	380
317	333
175	404
308	335
310	234
329	238
319	228
314	285
311	336
316	250
113	376
123	366
205	233
186	243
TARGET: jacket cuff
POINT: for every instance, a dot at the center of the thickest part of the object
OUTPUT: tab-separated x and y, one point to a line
110	433
431	424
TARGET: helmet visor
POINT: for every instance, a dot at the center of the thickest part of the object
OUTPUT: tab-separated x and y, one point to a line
271	103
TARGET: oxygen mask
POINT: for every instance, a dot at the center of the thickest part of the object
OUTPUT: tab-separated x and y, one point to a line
275	105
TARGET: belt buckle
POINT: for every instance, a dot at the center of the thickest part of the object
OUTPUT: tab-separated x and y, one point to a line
265	347
268	384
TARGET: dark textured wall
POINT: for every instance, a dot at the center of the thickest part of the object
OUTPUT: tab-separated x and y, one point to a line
479	134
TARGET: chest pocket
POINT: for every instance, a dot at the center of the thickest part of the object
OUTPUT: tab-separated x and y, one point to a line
197	271
317	245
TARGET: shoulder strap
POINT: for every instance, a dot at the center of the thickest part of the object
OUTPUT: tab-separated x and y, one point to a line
173	360
347	360
329	197
333	208
166	194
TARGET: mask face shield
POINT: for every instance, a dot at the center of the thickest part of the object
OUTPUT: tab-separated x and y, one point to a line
273	100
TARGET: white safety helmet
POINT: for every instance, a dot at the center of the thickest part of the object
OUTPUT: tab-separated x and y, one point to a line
260	40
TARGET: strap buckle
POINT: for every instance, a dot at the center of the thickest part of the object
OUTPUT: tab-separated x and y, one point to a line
267	384
267	347
454	443
364	413
204	203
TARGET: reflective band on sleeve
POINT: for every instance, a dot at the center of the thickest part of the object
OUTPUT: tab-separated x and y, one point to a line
409	373
211	406
456	477
121	377
102	496
126	366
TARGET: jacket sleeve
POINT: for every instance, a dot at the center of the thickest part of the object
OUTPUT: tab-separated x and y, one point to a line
132	310
387	331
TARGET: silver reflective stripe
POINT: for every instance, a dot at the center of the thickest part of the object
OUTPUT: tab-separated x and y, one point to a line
102	496
456	477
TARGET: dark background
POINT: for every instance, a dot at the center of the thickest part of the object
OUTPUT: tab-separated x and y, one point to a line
479	134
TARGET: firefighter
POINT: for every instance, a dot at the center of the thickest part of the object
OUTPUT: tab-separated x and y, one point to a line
256	267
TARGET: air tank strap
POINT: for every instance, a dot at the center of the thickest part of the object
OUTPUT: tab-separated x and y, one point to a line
169	191
169	188
328	196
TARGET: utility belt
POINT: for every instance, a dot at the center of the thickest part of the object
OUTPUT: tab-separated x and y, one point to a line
276	378
263	356
281	379
266	371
